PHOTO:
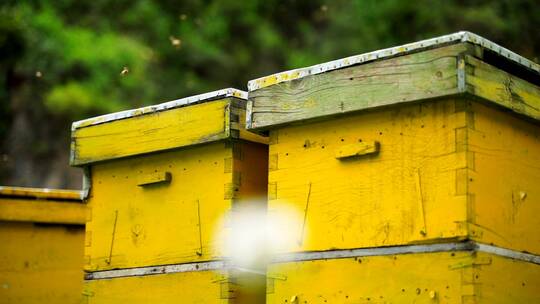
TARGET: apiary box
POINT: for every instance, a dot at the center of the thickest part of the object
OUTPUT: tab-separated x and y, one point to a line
42	240
163	180
426	142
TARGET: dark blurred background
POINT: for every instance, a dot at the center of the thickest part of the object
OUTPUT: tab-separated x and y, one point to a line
62	60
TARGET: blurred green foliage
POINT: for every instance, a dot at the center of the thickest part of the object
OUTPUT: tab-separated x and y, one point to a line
63	60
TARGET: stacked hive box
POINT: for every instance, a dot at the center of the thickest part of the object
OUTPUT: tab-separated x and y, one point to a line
163	178
416	171
41	241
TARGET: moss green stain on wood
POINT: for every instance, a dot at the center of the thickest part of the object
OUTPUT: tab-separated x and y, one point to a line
406	78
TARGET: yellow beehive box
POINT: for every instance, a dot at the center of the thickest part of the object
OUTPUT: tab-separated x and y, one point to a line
41	251
435	273
163	182
423	143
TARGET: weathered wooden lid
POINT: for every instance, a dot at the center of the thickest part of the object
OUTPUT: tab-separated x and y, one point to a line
184	122
418	46
42	205
459	63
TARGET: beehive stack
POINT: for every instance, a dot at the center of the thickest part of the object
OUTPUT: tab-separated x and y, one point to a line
416	173
163	180
41	245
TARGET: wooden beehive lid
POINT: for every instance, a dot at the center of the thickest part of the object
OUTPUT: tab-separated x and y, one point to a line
42	205
179	123
182	102
291	96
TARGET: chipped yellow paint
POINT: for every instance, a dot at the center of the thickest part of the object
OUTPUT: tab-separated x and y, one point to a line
91	121
457	277
377	199
41	253
157	131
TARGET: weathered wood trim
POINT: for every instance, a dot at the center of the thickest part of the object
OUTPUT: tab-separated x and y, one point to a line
408	78
479	43
502	88
152	270
42	211
407	249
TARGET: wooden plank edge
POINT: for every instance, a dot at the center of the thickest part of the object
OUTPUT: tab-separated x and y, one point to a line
502	89
77	161
41	193
42	211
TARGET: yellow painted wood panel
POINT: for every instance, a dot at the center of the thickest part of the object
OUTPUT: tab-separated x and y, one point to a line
159	224
504	181
409	278
409	192
507	281
186	126
458	277
41	263
187	287
42	211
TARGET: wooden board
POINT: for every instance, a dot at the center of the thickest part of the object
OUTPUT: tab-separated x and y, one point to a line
174	222
457	277
410	191
397	80
42	211
187	287
504	179
41	263
445	71
179	127
40	193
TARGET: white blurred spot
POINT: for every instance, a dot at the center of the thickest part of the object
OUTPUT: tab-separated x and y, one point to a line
253	233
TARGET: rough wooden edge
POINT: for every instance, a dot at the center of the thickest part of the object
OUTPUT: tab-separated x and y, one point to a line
152	270
41	193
